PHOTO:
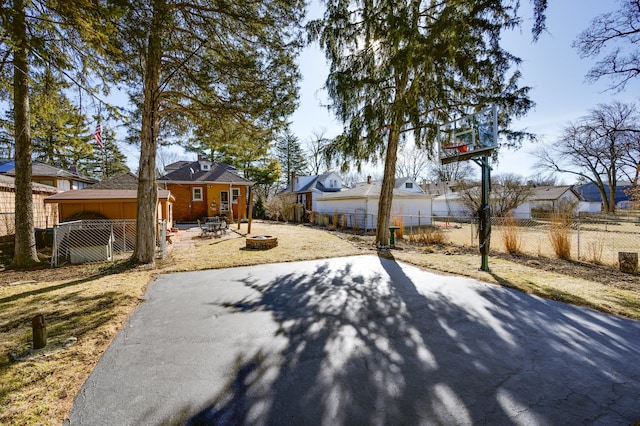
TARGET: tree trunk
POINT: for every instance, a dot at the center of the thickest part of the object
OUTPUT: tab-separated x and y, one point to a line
25	245
386	192
147	187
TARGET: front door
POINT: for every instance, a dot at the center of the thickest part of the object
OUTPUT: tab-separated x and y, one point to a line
224	202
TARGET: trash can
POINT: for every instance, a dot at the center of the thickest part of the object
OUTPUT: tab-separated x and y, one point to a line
39	235
48	237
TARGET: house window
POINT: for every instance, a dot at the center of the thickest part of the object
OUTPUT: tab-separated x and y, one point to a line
235	194
196	194
408	185
205	167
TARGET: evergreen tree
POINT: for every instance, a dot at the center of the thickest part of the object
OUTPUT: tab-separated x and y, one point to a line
289	154
106	162
200	59
68	37
399	68
60	136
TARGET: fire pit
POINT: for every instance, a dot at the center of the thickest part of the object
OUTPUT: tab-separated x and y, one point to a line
261	242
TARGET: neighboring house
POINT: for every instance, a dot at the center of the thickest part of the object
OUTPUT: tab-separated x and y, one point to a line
115	198
591	194
414	208
547	199
44	216
64	180
544	199
203	189
450	204
404	183
309	188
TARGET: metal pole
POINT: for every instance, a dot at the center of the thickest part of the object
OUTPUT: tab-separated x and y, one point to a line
484	215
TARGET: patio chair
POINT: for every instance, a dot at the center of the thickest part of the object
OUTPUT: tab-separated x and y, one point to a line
204	230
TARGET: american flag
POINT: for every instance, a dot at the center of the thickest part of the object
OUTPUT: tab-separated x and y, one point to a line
97	135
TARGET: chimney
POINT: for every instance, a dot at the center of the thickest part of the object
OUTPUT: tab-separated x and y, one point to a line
368	180
293	180
199	157
73	169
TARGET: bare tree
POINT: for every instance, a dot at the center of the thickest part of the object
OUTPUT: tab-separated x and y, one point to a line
602	147
165	157
618	33
412	162
451	172
508	191
317	161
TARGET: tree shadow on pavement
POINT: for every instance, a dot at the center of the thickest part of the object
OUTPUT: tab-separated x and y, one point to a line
396	345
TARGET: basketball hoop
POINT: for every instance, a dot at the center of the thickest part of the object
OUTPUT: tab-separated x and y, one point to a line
461	147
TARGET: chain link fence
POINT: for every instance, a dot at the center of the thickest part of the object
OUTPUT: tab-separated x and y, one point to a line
87	241
595	239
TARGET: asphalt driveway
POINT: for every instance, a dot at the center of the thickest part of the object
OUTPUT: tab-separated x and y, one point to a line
360	341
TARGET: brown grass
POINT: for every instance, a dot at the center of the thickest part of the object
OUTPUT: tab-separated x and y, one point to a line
399	222
428	236
92	304
560	234
511	236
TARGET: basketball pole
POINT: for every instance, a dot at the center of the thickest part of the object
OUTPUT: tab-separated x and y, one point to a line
484	215
479	152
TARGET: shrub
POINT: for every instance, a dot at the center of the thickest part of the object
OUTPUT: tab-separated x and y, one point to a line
594	252
334	221
428	236
511	236
399	222
560	234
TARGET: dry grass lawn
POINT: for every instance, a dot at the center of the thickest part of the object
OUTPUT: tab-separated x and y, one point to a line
85	306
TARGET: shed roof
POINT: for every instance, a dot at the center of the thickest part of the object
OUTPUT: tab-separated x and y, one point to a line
90	194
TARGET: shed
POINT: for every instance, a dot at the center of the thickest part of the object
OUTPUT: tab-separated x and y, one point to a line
116	198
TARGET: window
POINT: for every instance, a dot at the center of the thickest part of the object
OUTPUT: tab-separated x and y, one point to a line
205	167
196	194
408	185
235	194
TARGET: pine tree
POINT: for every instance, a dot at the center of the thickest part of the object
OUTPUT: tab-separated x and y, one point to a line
106	162
289	153
60	136
196	60
399	68
68	36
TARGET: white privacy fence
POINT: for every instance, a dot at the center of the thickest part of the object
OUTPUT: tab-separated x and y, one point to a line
86	241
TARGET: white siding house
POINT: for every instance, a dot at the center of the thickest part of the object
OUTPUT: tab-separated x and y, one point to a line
309	188
548	199
450	204
363	200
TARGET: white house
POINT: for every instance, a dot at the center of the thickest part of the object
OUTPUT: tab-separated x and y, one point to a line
362	201
450	204
309	188
405	183
549	199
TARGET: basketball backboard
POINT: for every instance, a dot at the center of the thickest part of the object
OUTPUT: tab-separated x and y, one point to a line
471	136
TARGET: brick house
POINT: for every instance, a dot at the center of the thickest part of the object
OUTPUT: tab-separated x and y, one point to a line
204	189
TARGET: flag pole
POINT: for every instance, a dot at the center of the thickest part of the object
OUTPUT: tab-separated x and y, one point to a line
97	136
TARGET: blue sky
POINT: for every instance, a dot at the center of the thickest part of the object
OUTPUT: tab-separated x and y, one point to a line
551	67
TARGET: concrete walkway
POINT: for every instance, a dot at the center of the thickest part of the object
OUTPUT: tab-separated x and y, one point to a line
360	341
